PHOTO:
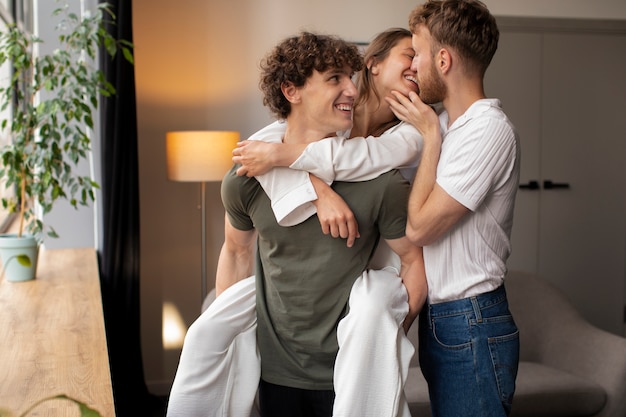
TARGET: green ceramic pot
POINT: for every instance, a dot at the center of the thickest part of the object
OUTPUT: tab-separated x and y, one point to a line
19	257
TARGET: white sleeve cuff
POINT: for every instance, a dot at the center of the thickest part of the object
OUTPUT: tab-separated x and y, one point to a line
295	206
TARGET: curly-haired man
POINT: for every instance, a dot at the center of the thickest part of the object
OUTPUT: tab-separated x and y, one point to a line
303	276
305	280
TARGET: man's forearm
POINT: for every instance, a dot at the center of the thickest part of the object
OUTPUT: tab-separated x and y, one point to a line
236	260
231	268
422	187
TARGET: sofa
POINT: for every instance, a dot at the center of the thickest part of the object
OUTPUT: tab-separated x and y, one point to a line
567	366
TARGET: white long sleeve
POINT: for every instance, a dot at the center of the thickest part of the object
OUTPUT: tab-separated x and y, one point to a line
336	158
219	368
361	159
290	191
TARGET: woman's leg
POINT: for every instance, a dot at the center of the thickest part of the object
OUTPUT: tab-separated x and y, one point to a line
374	352
219	368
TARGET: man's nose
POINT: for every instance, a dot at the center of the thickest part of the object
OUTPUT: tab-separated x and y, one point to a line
351	89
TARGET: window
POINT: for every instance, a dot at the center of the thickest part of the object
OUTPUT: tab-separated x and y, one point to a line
10	12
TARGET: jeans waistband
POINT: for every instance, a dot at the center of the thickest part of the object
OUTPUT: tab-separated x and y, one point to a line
469	304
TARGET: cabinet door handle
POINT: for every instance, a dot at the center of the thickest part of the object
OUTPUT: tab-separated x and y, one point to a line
530	185
549	185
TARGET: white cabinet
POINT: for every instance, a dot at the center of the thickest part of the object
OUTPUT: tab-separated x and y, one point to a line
563	84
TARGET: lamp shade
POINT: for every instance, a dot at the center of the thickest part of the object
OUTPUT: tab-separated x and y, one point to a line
198	156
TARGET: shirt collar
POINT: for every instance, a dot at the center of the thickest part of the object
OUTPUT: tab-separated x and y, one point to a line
477	108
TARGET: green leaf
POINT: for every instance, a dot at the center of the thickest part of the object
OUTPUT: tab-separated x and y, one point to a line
86	411
110	46
128	55
24	260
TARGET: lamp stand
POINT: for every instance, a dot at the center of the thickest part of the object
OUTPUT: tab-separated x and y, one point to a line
200	156
203	230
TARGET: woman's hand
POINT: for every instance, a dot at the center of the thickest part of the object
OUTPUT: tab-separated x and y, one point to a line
255	157
334	214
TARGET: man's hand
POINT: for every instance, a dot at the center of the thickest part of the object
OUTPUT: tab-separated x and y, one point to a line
255	157
334	214
413	110
413	276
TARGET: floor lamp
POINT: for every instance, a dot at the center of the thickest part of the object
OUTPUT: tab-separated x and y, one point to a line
200	156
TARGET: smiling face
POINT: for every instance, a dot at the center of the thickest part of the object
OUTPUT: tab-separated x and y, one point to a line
394	72
327	100
432	88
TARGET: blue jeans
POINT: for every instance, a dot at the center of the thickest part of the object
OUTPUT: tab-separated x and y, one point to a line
469	353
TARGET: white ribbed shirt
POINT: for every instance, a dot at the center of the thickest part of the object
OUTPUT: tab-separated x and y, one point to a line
479	167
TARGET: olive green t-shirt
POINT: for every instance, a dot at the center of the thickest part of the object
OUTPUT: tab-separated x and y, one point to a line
304	277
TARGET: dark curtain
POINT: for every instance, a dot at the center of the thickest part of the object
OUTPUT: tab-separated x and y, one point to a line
119	254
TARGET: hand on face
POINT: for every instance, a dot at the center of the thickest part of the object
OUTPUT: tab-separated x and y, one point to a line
413	110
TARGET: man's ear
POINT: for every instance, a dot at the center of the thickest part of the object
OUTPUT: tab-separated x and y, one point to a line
444	60
290	91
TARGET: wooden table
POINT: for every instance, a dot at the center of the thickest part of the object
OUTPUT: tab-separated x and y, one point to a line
52	337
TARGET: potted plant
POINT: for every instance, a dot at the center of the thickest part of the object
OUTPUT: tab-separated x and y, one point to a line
53	97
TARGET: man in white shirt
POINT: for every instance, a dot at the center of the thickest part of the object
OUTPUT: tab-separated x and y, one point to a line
461	211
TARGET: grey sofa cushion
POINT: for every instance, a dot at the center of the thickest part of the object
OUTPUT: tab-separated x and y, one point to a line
544	391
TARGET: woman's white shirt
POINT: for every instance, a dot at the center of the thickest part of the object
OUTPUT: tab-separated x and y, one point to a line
336	158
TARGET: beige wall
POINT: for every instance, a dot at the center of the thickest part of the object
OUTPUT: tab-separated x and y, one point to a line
577	9
196	68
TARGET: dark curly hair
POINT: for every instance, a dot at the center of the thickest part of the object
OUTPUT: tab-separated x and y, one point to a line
294	60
